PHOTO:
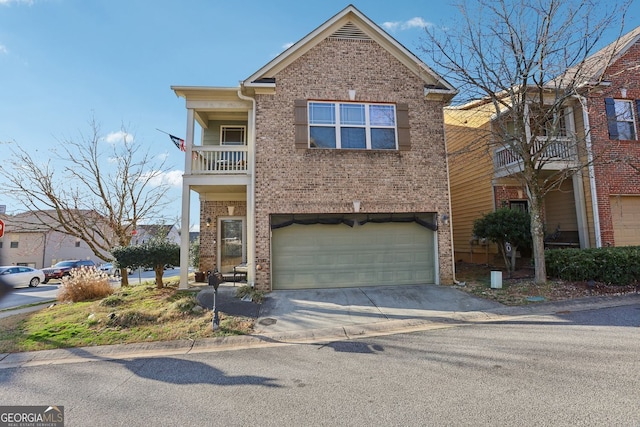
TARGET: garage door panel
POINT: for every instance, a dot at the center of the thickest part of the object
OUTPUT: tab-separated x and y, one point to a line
625	214
321	256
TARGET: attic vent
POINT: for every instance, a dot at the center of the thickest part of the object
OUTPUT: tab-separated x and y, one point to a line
350	32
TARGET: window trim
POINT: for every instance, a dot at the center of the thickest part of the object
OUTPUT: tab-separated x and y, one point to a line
243	128
339	124
613	118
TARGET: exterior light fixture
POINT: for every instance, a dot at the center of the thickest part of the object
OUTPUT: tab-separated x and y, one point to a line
208	221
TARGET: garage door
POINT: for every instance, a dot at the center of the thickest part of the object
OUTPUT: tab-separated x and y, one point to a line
335	256
625	213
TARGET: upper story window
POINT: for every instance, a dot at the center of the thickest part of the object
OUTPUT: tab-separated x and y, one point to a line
232	135
338	125
621	119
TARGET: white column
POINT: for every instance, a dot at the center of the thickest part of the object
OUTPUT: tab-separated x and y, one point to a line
184	237
186	202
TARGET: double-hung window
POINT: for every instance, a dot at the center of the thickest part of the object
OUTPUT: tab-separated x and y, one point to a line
621	119
348	125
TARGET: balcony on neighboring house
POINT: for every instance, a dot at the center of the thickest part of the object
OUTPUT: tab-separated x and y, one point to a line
559	153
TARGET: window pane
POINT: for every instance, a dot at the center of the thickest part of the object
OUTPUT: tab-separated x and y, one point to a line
382	115
321	114
383	139
323	137
233	135
352	114
624	111
353	138
626	131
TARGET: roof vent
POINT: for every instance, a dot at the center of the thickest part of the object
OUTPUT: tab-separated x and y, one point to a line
350	32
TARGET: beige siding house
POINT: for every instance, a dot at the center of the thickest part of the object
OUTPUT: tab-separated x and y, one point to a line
325	168
597	143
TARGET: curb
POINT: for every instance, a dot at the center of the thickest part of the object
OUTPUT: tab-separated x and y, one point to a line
315	336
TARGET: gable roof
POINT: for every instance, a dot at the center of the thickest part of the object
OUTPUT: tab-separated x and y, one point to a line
351	24
592	69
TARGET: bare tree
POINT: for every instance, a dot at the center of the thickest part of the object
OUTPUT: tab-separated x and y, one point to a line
94	190
527	61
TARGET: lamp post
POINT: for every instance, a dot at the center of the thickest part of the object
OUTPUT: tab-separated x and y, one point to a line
213	281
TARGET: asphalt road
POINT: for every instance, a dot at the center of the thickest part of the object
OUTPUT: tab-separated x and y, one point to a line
570	369
47	292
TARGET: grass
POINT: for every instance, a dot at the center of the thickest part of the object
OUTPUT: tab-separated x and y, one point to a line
141	313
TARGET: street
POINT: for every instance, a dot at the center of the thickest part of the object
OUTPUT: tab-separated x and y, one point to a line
564	370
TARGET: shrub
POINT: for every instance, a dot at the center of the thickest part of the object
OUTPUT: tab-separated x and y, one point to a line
256	296
185	304
85	283
505	227
616	266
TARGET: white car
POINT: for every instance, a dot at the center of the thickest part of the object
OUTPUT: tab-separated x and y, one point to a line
111	270
16	275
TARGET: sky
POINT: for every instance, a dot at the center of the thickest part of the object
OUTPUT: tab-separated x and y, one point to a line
64	62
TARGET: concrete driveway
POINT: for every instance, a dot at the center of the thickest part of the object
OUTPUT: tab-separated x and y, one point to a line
291	311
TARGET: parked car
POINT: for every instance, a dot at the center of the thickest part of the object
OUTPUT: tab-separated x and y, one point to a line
63	268
21	276
111	269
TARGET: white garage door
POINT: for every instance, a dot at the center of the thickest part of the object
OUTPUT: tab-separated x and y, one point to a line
625	213
338	256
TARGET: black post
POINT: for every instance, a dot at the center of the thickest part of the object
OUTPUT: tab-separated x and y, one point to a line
213	281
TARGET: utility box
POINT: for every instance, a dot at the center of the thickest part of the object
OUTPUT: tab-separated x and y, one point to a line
496	280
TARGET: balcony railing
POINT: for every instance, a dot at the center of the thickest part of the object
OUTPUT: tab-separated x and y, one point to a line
216	159
559	149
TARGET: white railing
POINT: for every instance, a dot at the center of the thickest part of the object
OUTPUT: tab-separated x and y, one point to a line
558	149
217	159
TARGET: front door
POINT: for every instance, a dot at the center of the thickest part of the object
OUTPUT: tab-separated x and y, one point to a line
232	247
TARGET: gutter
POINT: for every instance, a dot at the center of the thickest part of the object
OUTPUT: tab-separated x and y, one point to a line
252	195
592	178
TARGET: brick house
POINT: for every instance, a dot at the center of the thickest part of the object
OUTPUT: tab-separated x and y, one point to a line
599	205
325	168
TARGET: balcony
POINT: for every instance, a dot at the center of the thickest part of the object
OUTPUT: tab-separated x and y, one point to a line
219	160
557	154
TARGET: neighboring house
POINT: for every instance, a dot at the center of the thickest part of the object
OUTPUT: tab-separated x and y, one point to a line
144	233
25	242
597	206
325	168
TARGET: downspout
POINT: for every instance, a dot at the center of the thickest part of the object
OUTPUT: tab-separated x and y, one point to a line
453	255
592	177
251	210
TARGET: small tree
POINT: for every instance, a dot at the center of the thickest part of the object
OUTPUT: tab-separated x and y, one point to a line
507	228
95	188
154	254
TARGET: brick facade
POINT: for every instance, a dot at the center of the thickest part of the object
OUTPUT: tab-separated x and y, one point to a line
290	180
614	169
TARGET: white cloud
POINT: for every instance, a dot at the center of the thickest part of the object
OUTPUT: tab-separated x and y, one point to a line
116	137
172	178
287	45
412	23
10	2
3	48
